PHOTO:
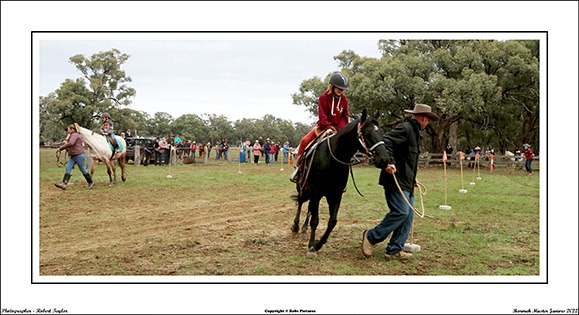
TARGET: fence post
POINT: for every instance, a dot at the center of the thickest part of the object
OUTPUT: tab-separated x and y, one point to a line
205	154
229	154
137	155
173	159
427	158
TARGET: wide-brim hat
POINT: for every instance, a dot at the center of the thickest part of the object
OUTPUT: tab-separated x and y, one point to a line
477	148
425	110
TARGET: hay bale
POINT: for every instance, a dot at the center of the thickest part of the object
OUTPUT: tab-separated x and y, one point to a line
189	160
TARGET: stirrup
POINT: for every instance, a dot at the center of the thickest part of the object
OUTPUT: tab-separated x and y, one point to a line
294	177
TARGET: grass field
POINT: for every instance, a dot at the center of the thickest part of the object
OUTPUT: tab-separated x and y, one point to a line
212	220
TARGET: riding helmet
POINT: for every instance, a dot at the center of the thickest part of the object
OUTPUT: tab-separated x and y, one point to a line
340	81
106	115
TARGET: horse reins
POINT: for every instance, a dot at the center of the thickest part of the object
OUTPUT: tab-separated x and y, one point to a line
58	162
363	143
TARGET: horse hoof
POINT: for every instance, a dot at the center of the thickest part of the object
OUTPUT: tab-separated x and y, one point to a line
294	229
312	254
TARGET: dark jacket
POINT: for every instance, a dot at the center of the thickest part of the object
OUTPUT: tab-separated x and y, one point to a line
403	146
73	145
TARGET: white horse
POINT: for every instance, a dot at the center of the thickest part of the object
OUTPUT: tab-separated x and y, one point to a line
101	152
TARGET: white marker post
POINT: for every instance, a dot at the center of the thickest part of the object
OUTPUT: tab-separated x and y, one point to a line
444	207
463	191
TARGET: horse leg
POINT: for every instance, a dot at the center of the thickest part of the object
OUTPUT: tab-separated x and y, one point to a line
295	226
313	208
334	205
122	164
306	222
95	163
109	166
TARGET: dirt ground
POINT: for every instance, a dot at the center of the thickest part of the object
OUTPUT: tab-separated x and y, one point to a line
224	225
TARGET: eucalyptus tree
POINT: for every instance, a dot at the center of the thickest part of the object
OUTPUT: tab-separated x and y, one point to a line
102	87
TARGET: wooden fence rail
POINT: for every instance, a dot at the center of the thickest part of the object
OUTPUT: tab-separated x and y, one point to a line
428	158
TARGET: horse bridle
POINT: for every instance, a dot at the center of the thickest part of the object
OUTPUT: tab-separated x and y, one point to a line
362	142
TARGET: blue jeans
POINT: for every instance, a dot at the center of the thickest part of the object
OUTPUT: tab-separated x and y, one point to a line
528	165
398	222
158	158
76	159
272	158
285	156
267	157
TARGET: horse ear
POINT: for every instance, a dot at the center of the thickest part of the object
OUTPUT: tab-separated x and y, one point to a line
377	115
364	115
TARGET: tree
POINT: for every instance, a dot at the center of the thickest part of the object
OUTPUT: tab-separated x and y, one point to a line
102	88
160	124
190	127
484	91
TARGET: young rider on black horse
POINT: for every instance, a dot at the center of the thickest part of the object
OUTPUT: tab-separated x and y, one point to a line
333	113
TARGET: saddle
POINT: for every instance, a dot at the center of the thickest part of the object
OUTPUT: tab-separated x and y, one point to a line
112	141
307	155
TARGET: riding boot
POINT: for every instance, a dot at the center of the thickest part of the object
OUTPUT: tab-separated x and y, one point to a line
64	183
88	180
295	176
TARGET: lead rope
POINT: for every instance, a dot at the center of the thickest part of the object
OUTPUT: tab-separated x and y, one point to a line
420	186
422	215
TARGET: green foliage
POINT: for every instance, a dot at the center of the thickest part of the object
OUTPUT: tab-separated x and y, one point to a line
485	91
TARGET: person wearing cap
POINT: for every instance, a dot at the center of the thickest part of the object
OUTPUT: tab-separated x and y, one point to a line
403	147
476	150
333	113
256	152
528	158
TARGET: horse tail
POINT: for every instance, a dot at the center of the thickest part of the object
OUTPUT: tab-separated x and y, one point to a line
300	198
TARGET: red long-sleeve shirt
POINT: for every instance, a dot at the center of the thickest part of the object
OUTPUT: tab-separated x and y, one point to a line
333	111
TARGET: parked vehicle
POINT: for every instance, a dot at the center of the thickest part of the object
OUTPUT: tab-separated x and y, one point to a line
146	145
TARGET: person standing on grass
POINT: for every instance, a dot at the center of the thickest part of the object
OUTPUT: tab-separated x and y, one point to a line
403	147
272	153
286	149
256	152
77	156
449	150
248	149
267	151
528	158
158	152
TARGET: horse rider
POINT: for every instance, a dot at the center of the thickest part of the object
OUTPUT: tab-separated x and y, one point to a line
77	156
333	113
107	129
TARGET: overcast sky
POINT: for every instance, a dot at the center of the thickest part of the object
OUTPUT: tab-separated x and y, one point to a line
237	78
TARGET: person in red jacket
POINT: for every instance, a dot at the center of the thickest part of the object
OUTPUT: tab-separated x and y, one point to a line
333	113
528	158
77	156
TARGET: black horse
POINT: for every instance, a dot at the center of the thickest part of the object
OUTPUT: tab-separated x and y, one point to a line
327	173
